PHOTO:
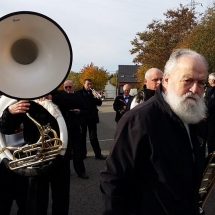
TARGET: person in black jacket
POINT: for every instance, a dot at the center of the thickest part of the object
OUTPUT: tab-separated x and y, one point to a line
210	101
153	78
92	101
122	102
156	162
74	112
55	174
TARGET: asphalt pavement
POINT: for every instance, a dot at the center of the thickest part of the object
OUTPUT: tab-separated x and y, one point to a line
85	196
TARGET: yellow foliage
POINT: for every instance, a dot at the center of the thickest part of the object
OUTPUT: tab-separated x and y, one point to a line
98	76
74	77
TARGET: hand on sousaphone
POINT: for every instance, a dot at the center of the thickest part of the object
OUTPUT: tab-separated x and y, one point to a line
21	106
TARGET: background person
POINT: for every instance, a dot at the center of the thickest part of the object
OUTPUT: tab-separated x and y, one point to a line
157	160
92	101
210	101
122	102
153	78
74	112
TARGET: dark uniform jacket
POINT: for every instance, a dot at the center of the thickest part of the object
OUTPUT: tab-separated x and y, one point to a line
151	168
10	122
210	102
146	94
142	96
118	104
66	103
91	104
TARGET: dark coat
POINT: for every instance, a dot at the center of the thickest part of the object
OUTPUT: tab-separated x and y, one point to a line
142	96
210	102
66	103
118	104
10	122
91	104
150	168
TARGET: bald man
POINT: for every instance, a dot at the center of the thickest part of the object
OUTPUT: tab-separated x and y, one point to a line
75	115
153	78
68	86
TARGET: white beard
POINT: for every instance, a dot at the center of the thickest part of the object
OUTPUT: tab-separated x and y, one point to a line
190	111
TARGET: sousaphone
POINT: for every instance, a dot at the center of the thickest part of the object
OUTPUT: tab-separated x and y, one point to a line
35	59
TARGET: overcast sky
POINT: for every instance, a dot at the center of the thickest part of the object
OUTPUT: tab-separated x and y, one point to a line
100	31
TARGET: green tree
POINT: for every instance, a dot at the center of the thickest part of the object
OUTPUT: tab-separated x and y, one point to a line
113	79
98	76
202	38
154	45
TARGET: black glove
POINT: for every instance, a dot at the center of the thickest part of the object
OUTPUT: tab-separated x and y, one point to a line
21	171
42	169
50	166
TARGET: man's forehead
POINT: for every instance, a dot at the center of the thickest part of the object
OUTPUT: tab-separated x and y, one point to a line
68	82
192	75
156	74
190	67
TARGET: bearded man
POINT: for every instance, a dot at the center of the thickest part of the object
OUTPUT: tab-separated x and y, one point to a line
156	163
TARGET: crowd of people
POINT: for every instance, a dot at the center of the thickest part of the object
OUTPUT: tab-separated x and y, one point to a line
156	163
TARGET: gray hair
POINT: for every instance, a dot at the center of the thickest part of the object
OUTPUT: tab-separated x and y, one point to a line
212	76
171	63
126	86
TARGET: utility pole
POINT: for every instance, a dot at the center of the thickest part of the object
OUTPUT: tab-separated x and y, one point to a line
193	4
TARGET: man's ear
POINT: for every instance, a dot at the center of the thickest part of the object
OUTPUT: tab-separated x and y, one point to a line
145	81
166	78
165	81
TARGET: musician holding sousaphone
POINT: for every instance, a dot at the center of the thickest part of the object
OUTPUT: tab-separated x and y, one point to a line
56	172
32	65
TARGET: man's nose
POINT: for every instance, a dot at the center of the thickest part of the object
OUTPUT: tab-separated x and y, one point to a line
194	87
